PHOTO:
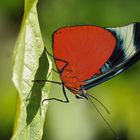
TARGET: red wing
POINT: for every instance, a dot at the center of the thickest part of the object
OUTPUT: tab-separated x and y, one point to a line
126	53
85	48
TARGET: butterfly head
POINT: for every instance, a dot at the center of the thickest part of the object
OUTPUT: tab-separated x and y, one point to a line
81	94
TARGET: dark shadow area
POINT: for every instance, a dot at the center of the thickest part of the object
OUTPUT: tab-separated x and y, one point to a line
35	98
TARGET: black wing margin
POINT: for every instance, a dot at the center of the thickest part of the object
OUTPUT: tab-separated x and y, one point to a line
126	53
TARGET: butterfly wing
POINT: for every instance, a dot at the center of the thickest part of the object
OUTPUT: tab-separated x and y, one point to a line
85	48
127	51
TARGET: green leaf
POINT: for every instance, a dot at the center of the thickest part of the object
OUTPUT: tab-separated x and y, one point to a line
30	62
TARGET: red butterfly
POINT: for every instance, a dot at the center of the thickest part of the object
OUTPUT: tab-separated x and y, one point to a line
86	56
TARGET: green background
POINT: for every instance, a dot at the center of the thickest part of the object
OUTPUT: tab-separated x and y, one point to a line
76	120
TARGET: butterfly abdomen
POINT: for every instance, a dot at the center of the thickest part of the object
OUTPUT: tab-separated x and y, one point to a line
70	79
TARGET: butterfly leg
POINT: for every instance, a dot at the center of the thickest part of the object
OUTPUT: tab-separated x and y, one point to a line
58	59
63	88
55	71
65	95
38	81
53	57
59	72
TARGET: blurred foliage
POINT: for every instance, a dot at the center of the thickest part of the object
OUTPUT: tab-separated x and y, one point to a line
74	121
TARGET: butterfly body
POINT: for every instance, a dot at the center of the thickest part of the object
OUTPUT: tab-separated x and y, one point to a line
70	80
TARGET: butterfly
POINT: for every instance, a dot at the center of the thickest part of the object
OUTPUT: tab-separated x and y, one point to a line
87	55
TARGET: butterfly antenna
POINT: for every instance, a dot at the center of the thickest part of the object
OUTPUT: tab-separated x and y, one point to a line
113	132
99	103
